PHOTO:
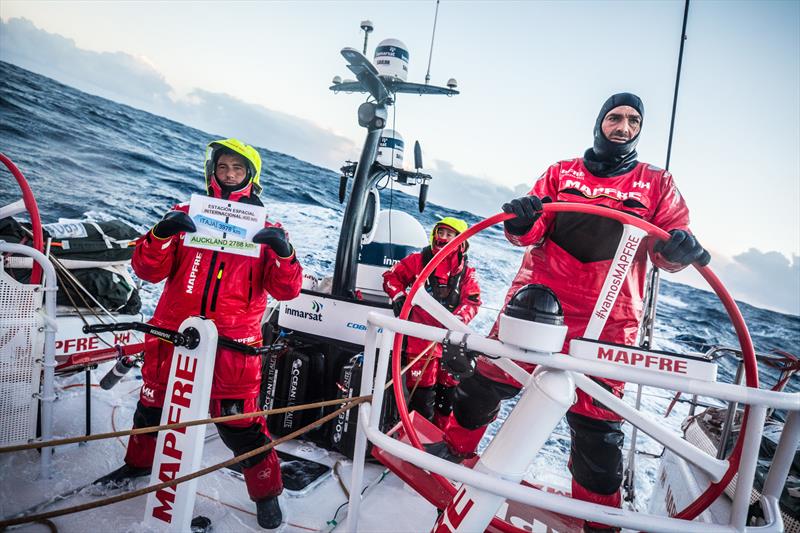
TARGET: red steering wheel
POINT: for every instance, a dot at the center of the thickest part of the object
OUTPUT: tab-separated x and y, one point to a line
745	342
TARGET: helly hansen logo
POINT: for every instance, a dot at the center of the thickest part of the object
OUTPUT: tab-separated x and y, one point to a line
641	185
572	172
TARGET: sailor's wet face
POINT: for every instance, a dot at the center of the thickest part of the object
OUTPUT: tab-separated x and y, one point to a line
621	124
230	170
444	235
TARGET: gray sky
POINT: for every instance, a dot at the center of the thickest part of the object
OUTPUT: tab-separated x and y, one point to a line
532	75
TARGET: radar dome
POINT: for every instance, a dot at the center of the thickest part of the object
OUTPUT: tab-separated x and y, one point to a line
391	59
390	149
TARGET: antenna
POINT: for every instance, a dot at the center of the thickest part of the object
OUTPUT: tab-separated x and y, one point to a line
677	83
367	26
430	55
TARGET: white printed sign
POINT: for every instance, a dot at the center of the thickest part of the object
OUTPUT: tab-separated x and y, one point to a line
225	226
693	366
328	317
623	259
66	229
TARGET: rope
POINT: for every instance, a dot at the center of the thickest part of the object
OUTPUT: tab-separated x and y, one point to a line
424	368
189	423
672	403
64	274
416	383
153	429
153	488
43	517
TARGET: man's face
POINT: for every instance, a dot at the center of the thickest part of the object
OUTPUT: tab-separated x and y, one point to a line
230	170
444	235
621	124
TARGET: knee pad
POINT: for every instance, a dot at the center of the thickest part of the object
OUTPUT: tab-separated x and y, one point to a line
244	439
476	400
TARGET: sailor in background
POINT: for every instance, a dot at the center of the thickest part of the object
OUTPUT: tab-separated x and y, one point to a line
232	291
455	285
571	253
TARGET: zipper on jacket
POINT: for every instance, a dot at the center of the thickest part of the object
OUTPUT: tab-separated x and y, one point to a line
208	283
216	286
250	285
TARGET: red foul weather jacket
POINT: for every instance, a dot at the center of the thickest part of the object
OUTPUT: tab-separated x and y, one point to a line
398	278
229	289
572	252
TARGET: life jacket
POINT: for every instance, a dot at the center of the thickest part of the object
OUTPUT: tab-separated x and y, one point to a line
448	294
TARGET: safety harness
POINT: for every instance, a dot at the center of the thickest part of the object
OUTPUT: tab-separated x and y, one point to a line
449	294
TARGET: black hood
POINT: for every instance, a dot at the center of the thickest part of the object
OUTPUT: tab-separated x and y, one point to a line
608	158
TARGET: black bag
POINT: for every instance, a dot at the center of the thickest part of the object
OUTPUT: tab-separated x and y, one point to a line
342	429
87	242
294	379
107	241
109	288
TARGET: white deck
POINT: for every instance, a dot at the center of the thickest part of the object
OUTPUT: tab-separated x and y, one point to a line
389	506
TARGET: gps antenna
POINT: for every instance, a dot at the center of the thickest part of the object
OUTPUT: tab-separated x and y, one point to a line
430	54
367	26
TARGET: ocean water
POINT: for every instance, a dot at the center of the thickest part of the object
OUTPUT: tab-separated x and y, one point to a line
87	156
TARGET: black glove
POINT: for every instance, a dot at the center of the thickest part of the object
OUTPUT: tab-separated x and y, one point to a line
528	210
682	248
173	223
276	239
397	305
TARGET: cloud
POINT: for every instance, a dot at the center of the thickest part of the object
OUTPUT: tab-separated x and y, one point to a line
133	81
231	117
765	279
465	192
117	76
768	280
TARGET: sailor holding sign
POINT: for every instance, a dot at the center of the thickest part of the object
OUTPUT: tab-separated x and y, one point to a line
213	269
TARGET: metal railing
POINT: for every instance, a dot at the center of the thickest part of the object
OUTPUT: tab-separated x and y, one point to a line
758	400
47	395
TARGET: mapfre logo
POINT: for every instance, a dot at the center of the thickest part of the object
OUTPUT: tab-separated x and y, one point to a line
597	192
